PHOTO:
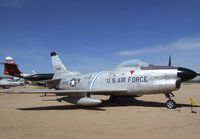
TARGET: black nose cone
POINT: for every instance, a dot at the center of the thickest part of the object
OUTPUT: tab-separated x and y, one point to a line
186	74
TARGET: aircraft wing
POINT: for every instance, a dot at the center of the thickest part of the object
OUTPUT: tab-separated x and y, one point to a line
72	92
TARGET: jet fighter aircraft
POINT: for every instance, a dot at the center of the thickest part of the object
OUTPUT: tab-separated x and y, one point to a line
7	83
130	78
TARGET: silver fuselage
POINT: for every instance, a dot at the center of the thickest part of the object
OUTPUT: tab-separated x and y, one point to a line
136	81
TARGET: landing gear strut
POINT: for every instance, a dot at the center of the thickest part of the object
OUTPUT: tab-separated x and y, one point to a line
112	99
170	104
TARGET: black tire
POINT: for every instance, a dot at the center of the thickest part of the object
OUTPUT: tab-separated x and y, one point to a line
171	104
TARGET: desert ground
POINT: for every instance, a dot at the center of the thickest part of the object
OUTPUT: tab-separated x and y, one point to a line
37	116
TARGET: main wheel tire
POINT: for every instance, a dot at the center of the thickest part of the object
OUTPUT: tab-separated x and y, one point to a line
171	104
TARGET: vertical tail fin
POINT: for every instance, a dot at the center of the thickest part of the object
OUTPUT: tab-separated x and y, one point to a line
11	68
58	66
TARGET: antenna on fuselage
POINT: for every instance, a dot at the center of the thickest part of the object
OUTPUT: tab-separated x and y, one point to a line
169	63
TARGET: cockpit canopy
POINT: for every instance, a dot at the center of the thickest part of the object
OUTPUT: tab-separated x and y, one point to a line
136	63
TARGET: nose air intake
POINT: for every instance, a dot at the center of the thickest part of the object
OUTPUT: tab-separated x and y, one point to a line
186	74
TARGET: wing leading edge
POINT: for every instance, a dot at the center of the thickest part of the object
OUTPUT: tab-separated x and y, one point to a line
73	92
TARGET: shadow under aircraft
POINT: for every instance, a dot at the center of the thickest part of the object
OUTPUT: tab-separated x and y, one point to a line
122	102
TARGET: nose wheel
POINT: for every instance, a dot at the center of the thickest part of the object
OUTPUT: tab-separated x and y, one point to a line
170	104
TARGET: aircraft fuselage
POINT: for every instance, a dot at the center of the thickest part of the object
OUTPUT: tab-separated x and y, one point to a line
134	80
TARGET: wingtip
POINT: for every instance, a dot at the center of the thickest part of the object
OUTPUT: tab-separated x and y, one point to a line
53	53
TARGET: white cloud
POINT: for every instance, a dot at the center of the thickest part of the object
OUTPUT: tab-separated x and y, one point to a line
179	45
140	51
186	43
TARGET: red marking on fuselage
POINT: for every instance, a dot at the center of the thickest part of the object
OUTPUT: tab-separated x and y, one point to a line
132	71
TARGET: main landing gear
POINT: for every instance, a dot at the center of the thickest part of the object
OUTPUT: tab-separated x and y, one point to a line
170	104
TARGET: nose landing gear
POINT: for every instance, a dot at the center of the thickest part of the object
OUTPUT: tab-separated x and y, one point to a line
170	104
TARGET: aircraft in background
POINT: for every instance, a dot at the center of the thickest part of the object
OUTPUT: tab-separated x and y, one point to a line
11	68
6	77
132	78
6	83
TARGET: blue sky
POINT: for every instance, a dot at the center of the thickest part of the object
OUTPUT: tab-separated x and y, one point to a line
93	35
